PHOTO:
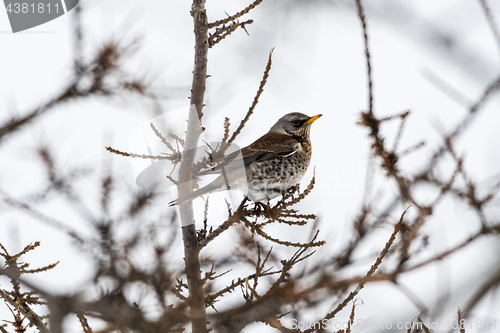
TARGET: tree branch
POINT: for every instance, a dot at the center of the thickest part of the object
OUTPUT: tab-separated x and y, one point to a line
196	298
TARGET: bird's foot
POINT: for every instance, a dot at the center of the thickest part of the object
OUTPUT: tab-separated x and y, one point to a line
259	208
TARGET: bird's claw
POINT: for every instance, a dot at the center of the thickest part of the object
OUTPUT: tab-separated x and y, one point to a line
259	208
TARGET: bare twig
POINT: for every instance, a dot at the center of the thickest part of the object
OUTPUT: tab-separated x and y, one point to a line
370	272
235	16
143	156
362	18
163	139
491	21
256	98
224	31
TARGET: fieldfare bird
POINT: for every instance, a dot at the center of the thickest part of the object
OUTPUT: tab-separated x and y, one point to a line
275	162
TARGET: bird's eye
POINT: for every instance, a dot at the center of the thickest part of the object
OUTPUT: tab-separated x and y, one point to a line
296	122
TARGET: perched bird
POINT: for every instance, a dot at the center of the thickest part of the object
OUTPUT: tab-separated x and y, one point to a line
272	164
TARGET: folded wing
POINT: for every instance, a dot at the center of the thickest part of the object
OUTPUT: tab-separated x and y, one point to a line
269	146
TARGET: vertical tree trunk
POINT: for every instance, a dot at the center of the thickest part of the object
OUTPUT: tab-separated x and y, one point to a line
191	251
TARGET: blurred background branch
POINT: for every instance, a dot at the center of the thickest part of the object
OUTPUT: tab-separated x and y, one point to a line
277	265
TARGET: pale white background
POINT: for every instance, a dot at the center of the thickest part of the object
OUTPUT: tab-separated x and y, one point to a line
318	67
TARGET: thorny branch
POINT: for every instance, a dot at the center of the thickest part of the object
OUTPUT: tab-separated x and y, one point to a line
224	31
256	98
235	16
274	288
105	64
22	302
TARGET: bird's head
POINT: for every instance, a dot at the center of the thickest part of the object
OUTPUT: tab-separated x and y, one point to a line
295	124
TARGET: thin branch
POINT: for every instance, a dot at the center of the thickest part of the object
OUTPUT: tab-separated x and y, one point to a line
491	21
282	204
234	218
372	270
15	123
362	18
227	123
263	234
224	31
85	324
403	117
235	16
26	311
446	88
41	217
412	297
163	139
143	156
454	249
256	98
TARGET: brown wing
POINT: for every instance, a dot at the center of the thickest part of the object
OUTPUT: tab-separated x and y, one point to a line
268	146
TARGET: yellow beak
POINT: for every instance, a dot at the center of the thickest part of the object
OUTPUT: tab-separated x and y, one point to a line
313	119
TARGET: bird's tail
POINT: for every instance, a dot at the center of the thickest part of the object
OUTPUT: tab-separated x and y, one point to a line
212	187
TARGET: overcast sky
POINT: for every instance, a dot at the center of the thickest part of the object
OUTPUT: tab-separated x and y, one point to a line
318	67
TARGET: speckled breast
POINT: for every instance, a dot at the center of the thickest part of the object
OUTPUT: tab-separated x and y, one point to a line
267	179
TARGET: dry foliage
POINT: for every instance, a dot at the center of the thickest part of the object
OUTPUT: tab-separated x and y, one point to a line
277	288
